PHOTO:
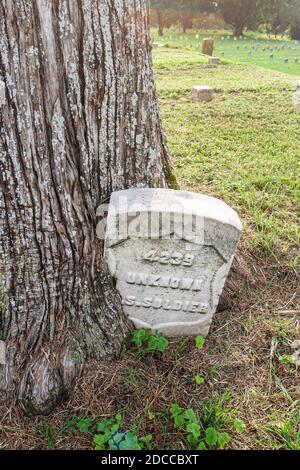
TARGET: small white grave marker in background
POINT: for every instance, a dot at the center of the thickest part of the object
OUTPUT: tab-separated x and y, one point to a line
170	253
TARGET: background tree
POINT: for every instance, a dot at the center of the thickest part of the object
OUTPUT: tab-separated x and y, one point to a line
160	22
78	120
188	8
289	15
240	13
181	11
282	15
160	6
270	16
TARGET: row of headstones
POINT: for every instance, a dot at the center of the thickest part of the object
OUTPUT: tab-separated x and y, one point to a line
267	48
228	38
286	60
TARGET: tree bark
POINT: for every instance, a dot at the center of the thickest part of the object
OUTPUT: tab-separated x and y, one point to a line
78	120
160	23
238	30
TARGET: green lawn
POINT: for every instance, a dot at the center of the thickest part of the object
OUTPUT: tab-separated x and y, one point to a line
243	147
281	55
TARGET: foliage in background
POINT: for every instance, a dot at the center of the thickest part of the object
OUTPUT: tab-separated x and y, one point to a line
240	14
184	12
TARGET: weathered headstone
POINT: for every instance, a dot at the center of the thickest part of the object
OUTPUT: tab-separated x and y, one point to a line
214	60
2	352
170	252
202	93
208	46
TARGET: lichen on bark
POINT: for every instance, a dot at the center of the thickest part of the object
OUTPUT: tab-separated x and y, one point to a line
78	119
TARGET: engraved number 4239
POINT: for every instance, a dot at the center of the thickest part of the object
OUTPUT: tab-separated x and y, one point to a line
165	257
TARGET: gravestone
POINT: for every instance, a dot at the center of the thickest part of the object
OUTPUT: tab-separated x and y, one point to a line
214	60
2	353
202	94
169	253
208	46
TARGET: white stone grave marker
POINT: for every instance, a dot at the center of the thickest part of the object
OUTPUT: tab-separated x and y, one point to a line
170	252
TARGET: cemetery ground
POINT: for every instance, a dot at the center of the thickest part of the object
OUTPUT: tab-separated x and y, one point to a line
265	51
242	147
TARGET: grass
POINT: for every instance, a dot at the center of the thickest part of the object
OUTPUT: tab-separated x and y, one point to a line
281	55
244	148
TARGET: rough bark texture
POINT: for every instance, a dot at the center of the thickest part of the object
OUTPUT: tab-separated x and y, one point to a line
78	119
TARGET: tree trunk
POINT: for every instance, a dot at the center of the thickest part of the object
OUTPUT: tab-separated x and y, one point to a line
78	120
160	23
295	32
